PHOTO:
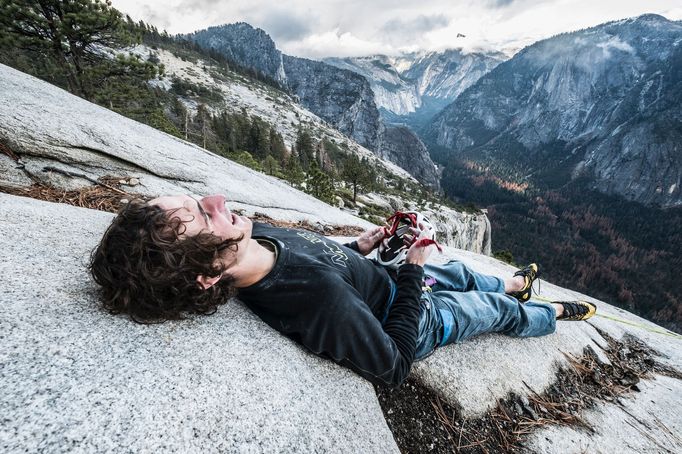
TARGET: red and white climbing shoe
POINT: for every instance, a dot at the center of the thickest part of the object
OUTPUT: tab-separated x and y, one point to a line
393	250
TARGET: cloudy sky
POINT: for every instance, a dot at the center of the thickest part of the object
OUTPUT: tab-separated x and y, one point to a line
343	28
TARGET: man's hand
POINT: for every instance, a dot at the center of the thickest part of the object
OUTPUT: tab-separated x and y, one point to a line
370	240
420	251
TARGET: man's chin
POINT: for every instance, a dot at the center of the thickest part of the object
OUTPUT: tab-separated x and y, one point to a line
243	220
248	226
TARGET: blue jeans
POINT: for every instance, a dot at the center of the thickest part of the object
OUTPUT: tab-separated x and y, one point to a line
464	304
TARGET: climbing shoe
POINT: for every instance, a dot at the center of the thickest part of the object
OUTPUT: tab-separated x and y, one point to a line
576	310
393	250
529	273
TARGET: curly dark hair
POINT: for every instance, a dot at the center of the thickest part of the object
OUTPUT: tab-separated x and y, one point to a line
148	271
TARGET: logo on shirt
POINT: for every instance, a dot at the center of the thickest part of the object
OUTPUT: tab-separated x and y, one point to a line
333	250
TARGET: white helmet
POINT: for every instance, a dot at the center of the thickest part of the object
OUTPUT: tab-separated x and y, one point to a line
393	253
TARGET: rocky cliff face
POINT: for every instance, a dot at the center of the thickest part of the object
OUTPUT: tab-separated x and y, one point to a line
341	97
601	102
460	230
419	83
346	100
391	90
401	146
445	75
247	46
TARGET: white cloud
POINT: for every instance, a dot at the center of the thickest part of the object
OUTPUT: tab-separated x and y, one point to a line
362	27
337	44
614	43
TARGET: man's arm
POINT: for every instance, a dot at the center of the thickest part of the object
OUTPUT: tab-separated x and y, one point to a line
353	337
346	330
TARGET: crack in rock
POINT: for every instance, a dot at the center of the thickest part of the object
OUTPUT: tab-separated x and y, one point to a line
423	422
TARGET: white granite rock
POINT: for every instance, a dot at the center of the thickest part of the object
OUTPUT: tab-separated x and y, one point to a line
646	422
473	375
47	126
77	379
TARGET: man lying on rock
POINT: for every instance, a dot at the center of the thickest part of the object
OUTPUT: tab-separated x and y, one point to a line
178	255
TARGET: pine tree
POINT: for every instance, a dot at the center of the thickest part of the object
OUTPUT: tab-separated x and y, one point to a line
203	133
245	158
323	159
226	128
233	138
277	148
157	119
305	149
271	165
372	179
293	172
243	127
258	139
319	184
121	85
219	125
356	173
72	32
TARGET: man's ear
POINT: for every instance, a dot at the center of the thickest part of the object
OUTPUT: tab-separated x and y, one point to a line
207	282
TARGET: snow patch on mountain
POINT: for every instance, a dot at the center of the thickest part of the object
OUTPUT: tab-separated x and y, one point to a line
401	83
391	91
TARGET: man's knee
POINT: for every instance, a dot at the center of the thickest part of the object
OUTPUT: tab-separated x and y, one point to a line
532	321
457	268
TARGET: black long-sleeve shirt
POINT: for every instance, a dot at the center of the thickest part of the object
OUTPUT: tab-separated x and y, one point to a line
330	298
